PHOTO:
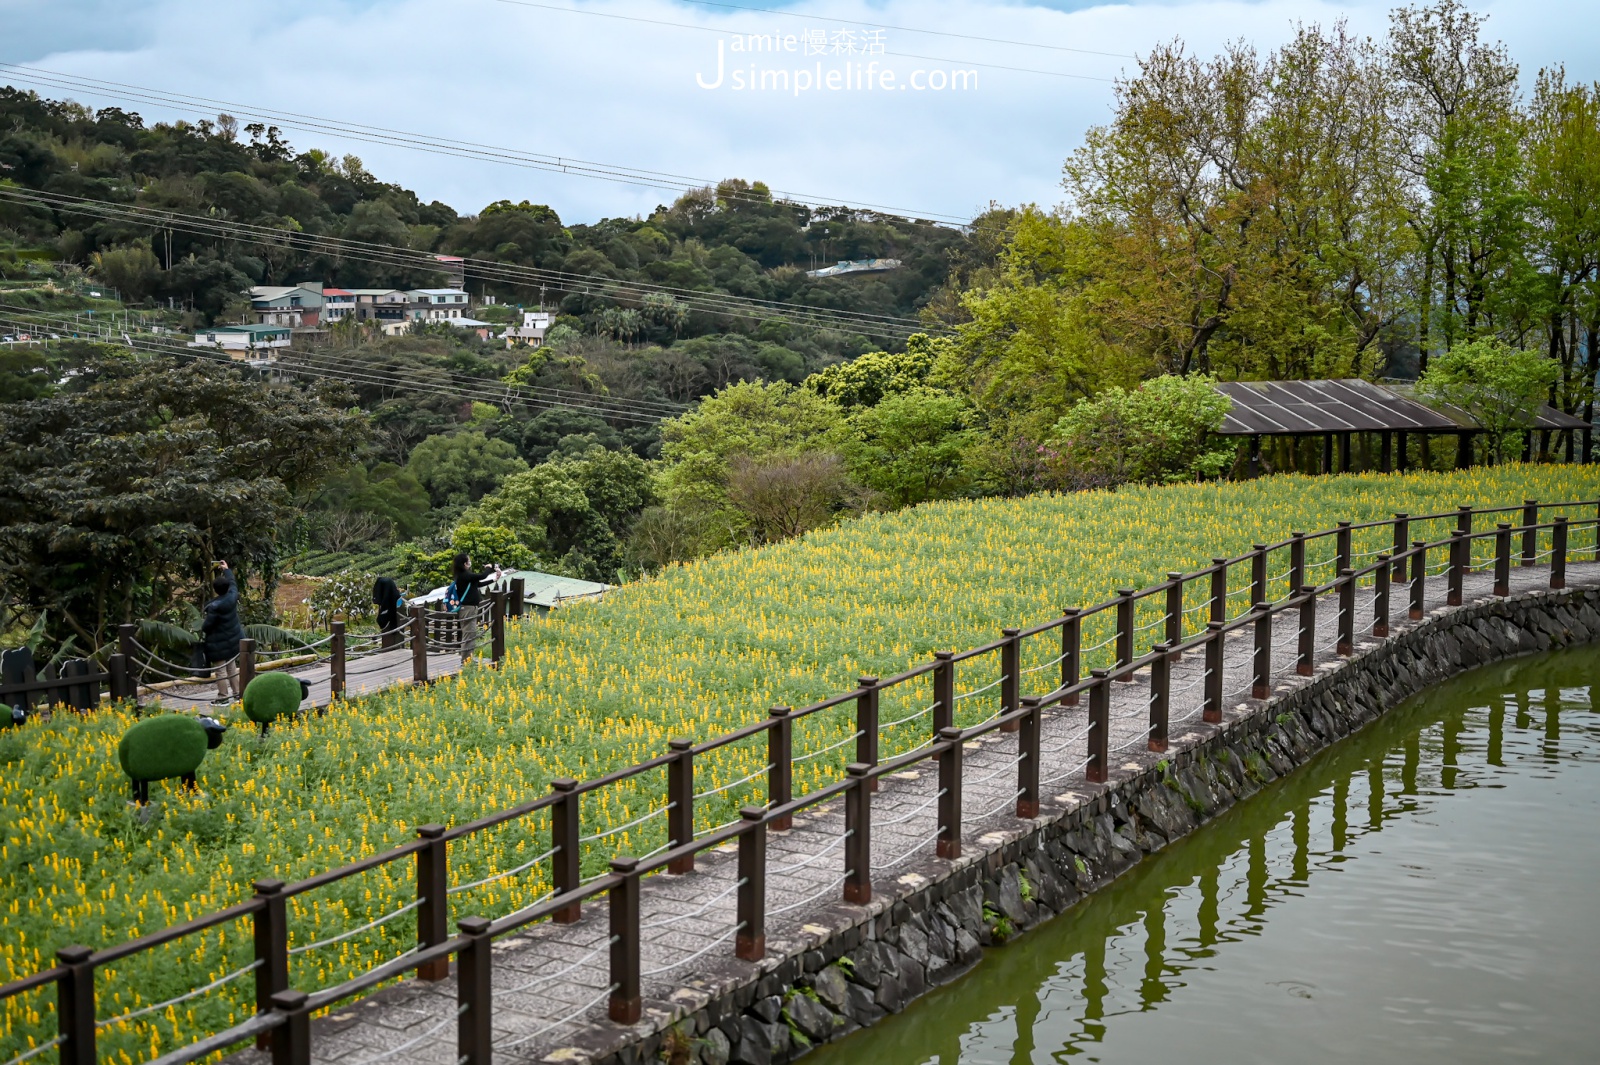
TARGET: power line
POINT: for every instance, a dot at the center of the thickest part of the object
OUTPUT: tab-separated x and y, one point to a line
656	179
487	269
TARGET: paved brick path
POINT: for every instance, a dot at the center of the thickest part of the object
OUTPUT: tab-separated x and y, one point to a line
552	979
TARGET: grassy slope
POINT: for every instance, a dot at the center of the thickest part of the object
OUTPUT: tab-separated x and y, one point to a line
700	649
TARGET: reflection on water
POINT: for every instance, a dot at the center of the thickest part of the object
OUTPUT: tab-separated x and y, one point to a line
1423	893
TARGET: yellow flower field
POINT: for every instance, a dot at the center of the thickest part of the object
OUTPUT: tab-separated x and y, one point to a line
698	650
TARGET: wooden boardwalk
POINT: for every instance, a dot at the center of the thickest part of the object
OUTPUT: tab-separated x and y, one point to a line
551	981
364	675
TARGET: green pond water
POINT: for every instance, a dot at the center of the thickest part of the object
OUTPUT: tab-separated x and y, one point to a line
1426	891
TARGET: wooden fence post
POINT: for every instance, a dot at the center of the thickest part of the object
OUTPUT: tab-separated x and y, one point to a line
336	662
1419	576
680	803
1160	696
944	691
1558	553
1071	652
75	1006
122	686
474	993
519	595
858	829
292	1040
1219	589
1261	684
1459	546
1029	752
497	627
1010	675
950	793
1099	728
1530	535
566	830
1402	534
1342	547
1297	562
1212	712
247	662
867	725
1125	603
750	941
1174	626
271	934
1346	640
626	1004
433	891
1305	661
780	765
419	646
1380	596
1258	573
1502	559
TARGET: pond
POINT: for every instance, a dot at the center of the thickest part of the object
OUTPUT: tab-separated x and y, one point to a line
1427	891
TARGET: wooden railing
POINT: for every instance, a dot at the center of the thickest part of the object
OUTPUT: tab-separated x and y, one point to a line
1403	566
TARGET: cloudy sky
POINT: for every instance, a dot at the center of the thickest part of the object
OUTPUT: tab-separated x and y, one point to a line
635	83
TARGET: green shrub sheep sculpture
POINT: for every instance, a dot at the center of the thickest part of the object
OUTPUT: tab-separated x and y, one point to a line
273	695
166	746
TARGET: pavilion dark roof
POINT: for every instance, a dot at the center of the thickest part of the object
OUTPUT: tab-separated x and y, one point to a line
1285	408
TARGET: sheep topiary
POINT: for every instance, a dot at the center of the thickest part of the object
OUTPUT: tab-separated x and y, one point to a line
166	746
273	695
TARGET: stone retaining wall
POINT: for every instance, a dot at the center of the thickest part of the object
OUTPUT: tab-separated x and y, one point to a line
859	963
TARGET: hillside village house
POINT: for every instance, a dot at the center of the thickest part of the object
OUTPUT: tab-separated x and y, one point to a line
434	304
254	343
297	306
530	333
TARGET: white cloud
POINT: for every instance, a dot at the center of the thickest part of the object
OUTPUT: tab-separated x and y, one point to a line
618	91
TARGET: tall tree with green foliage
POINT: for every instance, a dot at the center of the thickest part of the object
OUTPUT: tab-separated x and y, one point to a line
1162	432
1502	389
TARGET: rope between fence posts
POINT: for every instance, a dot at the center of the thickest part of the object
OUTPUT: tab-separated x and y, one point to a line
1044	665
1064	744
1151	625
387	1054
997	809
630	824
903	720
1103	643
408	907
1204	604
1065	773
921	843
823	853
734	784
40	1049
697	955
540	981
979	691
498	876
831	747
568	1019
1130	743
917	810
1005	766
191	676
1324	562
735	886
143	1010
830	886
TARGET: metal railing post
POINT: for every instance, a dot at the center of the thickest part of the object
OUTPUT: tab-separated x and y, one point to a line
433	887
497	627
1098	767
1174	626
336	662
292	1045
1502	559
1071	652
1125	631
1211	714
1530	534
75	1006
1261	663
1459	546
858	830
566	829
1380	596
271	934
1345	642
780	771
750	941
419	646
944	691
1010	675
680	803
626	1003
867	725
1402	535
1558	553
1219	589
1160	696
1029	751
1307	647
474	993
247	662
519	596
950	794
1419	577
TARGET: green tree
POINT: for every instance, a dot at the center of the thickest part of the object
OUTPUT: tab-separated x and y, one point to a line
865	379
422	567
132	269
461	468
1160	432
1500	388
912	446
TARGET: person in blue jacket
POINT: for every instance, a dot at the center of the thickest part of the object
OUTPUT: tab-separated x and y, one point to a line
222	633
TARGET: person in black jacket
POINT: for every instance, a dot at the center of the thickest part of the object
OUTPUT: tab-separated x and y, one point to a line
223	632
467	590
386	596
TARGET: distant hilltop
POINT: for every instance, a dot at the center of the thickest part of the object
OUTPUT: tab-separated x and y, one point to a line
857	266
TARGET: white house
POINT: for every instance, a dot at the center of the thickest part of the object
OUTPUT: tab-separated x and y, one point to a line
531	332
244	341
433	304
